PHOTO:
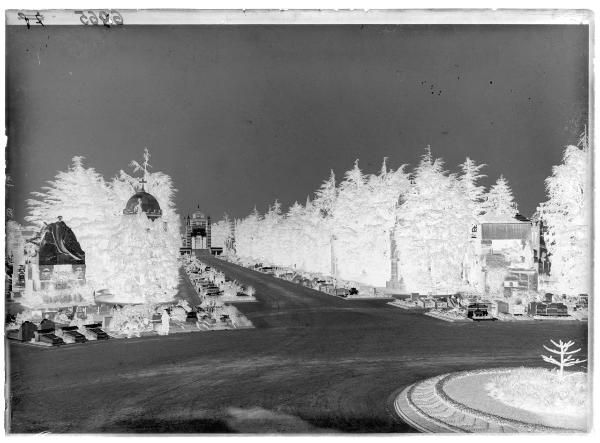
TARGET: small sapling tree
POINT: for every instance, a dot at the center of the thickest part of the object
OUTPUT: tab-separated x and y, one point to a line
566	356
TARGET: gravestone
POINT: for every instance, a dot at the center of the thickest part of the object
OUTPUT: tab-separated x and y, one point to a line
192	317
47	324
106	322
26	331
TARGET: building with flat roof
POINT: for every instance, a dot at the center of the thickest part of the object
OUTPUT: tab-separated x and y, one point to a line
507	256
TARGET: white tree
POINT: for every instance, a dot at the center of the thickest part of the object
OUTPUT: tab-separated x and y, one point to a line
566	358
346	224
433	231
145	267
324	204
269	234
247	236
499	205
363	218
468	182
314	242
566	216
154	255
326	196
222	233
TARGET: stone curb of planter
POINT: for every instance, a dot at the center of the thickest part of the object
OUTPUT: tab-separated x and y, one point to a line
436	404
520	426
440	425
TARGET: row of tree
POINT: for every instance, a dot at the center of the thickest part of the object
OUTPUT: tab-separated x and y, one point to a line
349	226
347	229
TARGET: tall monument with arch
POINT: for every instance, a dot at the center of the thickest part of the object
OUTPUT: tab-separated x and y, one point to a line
197	232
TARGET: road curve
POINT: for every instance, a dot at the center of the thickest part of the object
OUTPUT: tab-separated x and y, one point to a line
314	363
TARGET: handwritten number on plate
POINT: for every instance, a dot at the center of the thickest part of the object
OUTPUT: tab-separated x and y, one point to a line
105	17
82	17
93	18
117	18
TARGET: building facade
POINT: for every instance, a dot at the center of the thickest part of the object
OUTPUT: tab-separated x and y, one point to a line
507	257
197	234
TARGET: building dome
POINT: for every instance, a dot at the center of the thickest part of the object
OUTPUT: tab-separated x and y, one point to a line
147	202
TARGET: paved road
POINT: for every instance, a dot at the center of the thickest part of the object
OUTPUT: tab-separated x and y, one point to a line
314	363
186	290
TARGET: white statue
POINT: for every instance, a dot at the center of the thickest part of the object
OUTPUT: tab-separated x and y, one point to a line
163	329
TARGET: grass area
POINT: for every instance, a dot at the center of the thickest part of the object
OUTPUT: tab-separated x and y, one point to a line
542	391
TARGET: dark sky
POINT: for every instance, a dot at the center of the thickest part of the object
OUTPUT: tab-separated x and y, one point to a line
242	115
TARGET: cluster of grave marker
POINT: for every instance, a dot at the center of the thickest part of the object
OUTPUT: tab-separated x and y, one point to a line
50	333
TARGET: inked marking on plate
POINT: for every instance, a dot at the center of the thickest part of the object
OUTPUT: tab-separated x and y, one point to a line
104	17
31	16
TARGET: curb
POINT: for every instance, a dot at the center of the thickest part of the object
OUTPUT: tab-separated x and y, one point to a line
436	412
422	422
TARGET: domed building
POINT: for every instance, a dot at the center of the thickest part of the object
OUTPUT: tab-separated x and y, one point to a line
144	201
